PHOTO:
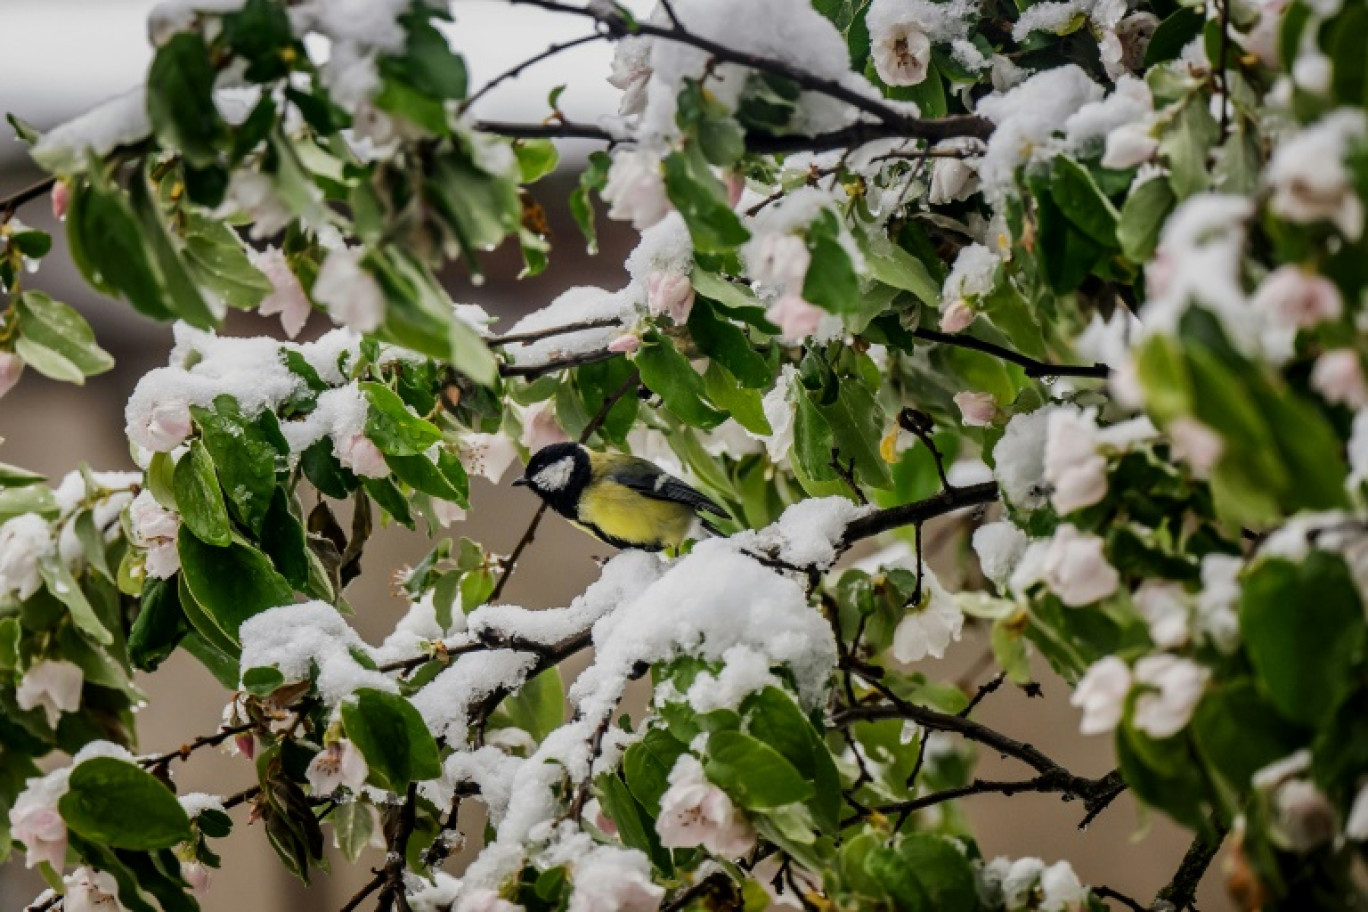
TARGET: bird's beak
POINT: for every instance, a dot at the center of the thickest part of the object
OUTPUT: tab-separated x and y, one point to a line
520	481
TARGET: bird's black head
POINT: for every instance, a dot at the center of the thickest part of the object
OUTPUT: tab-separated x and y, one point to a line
558	475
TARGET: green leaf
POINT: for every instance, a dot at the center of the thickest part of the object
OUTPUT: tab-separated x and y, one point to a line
284	541
856	423
31	499
538	707
1344	45
352	826
1173	34
887	867
1142	218
393	738
894	266
230	584
702	200
1239	732
199	499
776	720
470	354
219	263
244	451
647	765
593	178
180	99
181	293
420	473
66	590
260	34
1186	144
392	427
942	868
159	627
120	805
669	374
1081	200
727	393
106	244
831	282
536	158
1303	627
724	342
635	826
753	773
62	331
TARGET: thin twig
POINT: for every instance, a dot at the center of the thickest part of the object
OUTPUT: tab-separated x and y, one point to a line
360	896
1181	891
984	690
1123	899
1033	367
10	204
514	72
537	335
185	750
531	371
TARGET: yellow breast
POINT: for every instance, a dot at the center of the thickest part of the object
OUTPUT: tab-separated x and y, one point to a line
627	516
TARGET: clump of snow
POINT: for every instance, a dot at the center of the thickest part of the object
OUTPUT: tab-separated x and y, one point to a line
744	671
582	304
339	413
447	701
808	534
624	577
664	247
489	769
1019	459
120	121
310	638
1028	117
971	276
196	803
416	629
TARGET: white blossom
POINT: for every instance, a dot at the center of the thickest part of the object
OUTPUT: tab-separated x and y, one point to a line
154	529
1061	890
1174	686
1076	569
11	366
631	73
1304	816
1075	471
339	765
360	454
350	293
635	191
1356	828
929	628
164	427
695	812
779	259
287	296
89	890
197	874
1338	376
958	316
483	899
1309	179
53	686
1129	146
1217	619
976	409
1196	444
1101	694
901	52
487	455
1164	606
36	822
999	546
25	541
540	427
1293	297
954	177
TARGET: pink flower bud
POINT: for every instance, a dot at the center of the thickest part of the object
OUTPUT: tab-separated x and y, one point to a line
625	344
61	198
796	318
246	745
976	409
671	294
11	366
736	185
1297	298
197	875
957	317
363	457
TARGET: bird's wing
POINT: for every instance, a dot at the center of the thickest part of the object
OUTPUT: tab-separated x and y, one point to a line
649	481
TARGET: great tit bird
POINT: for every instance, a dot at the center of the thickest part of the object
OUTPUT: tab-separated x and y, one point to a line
622	500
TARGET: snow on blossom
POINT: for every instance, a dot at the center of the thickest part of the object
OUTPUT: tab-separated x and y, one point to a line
1028	116
350	293
1218	601
1196	444
929	628
1338	376
780	259
635	191
339	765
665	247
954	175
780	411
1172	687
1019	459
1101	694
1309	177
631	73
610	879
669	294
1076	568
1129	146
154	529
976	409
694	812
582	304
118	121
481	899
287	298
1293	297
11	367
1073	468
487	455
310	638
25	541
53	686
89	890
972	275
999	546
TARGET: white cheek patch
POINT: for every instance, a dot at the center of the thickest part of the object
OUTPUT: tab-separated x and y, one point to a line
555	476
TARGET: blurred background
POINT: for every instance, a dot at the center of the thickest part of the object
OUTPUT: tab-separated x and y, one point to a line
60	58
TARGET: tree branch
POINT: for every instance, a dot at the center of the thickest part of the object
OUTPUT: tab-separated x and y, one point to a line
10	204
872	524
537	335
1181	891
619	26
532	371
514	72
1033	367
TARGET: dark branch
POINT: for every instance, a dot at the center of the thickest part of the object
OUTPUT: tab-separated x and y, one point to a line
10	204
1181	891
1123	899
532	371
514	72
909	514
887	115
185	750
537	335
1032	367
